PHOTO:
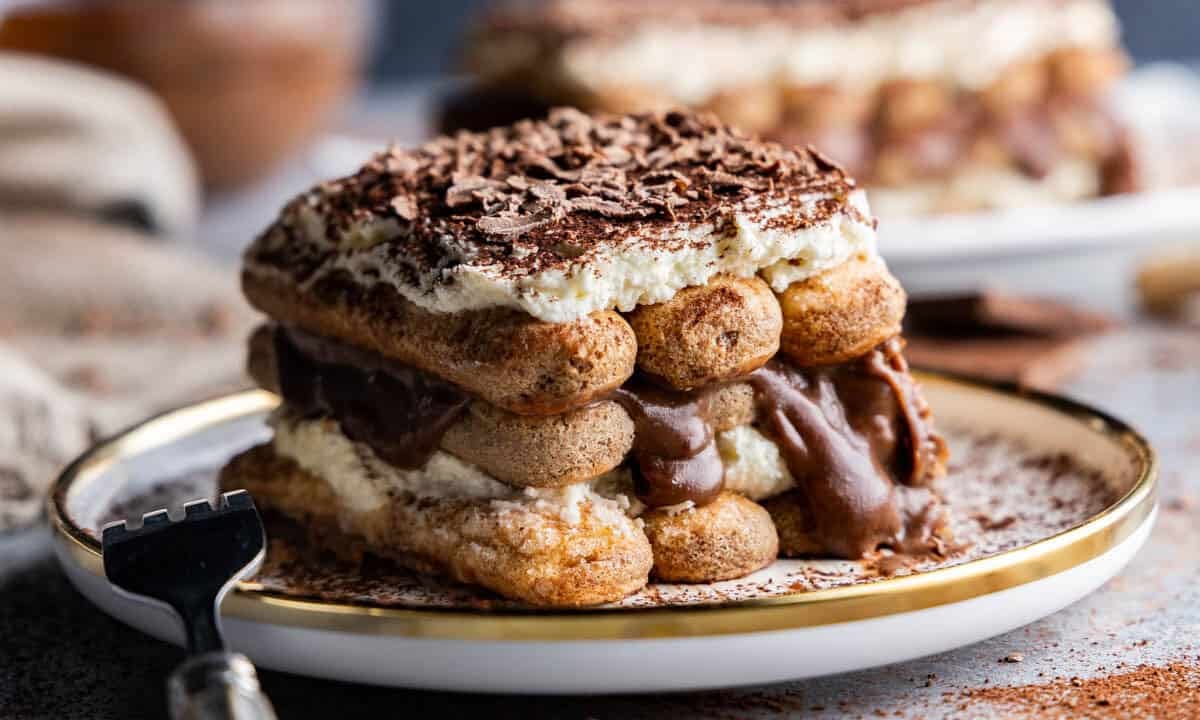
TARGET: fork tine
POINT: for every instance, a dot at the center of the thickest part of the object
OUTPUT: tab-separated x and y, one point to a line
158	518
197	509
114	531
237	500
228	503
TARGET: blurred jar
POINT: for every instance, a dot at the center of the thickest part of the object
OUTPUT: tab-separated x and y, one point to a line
250	82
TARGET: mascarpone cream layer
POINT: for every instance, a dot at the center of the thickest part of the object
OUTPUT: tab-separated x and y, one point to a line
363	482
619	274
753	465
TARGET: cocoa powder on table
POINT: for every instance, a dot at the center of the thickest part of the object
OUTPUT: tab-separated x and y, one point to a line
1166	693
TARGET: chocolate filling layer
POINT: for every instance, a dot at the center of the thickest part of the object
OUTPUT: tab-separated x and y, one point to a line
674	457
400	412
856	437
858	442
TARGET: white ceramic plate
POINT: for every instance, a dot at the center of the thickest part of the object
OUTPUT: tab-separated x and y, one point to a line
758	630
1091	225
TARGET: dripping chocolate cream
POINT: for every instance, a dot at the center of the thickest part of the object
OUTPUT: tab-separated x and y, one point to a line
564	358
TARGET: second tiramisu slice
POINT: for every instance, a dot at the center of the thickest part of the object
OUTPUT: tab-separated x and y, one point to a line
937	105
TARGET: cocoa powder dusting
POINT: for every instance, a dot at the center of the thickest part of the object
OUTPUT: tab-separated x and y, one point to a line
1166	693
547	195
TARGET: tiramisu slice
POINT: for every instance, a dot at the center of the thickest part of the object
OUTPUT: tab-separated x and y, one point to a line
557	358
938	105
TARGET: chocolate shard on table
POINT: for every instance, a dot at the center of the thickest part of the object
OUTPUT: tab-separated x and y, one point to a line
1035	342
1006	108
559	358
996	313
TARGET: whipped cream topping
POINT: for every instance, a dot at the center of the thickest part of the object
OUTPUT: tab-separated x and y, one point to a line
564	217
965	43
636	269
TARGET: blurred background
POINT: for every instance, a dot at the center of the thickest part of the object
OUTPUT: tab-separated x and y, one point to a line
143	144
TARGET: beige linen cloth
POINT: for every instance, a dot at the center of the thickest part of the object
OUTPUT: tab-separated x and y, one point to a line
99	328
101	325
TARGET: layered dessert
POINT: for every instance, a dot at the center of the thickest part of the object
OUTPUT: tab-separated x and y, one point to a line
558	358
937	105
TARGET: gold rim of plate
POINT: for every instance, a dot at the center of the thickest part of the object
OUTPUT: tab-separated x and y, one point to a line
877	599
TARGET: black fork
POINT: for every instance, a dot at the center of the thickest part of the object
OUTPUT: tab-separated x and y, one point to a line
189	565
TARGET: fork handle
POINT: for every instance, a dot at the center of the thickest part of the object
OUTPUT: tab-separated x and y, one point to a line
217	686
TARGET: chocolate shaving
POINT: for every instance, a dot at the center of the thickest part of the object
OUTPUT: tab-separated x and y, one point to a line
723	179
548	193
602	207
405	206
511	225
470	190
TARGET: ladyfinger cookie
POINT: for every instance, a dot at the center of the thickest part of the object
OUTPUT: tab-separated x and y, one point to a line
514	361
841	314
520	549
709	333
727	538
